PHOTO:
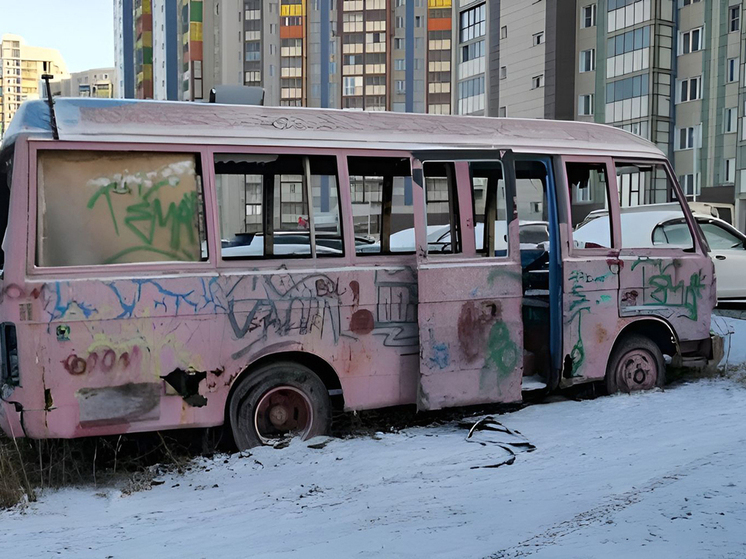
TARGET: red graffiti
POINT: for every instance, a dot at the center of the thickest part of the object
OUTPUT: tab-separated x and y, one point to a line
362	322
474	324
355	288
104	359
74	365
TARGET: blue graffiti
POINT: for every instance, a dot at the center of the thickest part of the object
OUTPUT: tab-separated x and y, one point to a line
440	356
60	309
169	296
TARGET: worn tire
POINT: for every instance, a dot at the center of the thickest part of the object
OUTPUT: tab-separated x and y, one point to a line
636	363
275	392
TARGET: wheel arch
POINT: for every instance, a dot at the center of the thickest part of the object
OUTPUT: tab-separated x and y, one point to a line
322	368
656	329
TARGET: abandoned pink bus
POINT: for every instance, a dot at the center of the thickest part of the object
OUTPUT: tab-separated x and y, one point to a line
171	265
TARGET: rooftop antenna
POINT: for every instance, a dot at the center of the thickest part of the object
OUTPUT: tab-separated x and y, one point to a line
50	102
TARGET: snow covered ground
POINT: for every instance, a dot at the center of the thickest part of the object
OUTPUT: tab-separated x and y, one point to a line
654	475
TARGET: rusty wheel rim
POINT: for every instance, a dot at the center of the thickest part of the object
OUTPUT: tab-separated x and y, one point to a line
281	412
637	370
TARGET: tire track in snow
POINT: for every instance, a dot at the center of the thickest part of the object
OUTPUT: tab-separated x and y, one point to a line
603	512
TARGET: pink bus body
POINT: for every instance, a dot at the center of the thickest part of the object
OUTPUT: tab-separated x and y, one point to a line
192	339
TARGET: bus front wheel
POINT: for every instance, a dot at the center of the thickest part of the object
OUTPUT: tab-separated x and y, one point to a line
636	363
278	401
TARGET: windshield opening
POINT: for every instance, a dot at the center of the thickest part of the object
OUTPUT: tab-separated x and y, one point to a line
6	178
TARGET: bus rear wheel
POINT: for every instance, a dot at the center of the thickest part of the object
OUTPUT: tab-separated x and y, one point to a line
636	363
278	401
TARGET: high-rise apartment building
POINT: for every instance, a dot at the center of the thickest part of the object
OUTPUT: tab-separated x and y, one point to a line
159	48
670	71
21	68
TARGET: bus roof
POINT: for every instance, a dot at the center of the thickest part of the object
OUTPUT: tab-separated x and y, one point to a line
125	120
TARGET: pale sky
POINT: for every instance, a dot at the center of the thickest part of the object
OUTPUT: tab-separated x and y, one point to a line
82	30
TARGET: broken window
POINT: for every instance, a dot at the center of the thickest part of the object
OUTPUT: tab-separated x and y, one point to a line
6	173
380	188
102	207
589	202
490	212
441	201
263	201
647	196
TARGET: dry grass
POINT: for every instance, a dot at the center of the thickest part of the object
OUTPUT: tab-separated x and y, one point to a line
27	467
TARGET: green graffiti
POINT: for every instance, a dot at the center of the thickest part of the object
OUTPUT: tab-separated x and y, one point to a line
605	298
502	352
146	216
662	291
579	304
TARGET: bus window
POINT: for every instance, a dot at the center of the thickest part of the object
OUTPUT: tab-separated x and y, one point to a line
101	207
263	201
443	235
589	205
488	196
647	198
382	211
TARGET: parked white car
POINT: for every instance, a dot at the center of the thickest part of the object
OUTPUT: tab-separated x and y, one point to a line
663	224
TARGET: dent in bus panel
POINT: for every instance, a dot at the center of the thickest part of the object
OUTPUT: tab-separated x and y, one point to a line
108	207
263	201
382	213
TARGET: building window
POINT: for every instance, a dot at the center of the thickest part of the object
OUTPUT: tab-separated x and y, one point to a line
690	89
685	138
733	69
472	24
588	16
400	64
471	88
503	72
730	170
585	105
503	111
537	81
734	13
538	38
689	184
504	32
472	51
683	3
588	60
400	86
691	41
731	120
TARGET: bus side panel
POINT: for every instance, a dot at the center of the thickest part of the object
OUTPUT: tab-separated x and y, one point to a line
679	288
590	317
154	353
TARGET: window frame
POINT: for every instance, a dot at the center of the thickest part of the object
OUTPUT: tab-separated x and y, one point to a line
344	201
591	104
611	196
697	241
157	268
688	81
593	9
591	59
734	10
384	201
